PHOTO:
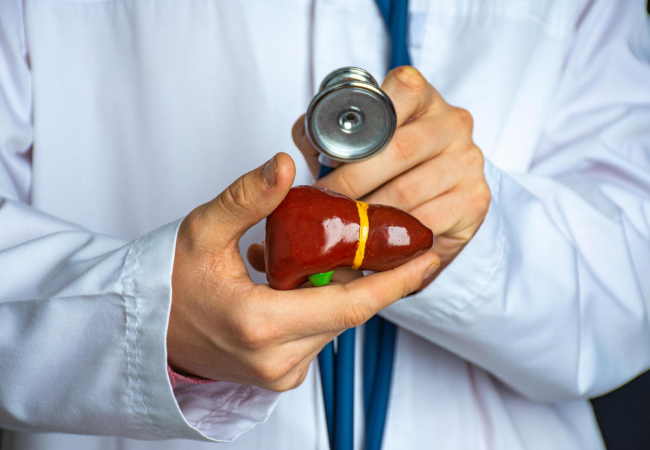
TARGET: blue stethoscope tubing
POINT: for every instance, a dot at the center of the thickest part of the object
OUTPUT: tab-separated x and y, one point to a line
337	380
337	368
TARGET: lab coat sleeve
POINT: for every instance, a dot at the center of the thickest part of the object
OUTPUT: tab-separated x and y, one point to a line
551	295
83	317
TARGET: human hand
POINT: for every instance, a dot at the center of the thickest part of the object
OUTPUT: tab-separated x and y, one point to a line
223	326
431	168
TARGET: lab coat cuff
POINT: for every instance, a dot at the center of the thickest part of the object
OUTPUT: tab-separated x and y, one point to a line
217	411
146	283
468	275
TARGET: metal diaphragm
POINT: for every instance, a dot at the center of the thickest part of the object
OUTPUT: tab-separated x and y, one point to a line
351	118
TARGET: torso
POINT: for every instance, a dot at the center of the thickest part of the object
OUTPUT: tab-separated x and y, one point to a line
145	108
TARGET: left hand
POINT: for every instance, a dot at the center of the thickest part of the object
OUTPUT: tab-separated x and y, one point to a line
431	168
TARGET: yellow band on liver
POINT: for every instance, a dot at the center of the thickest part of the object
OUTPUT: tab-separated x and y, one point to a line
364	228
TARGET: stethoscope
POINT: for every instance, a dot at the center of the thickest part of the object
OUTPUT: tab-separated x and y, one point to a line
351	119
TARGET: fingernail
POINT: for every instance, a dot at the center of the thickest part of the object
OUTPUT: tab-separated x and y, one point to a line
430	271
270	173
410	77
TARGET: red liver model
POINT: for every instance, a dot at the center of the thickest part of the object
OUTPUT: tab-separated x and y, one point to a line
315	230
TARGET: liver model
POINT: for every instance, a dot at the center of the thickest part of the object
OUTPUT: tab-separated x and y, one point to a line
315	230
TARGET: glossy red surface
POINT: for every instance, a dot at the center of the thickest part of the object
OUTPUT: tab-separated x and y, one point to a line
395	237
315	230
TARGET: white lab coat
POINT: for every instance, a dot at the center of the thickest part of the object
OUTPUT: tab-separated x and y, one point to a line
117	117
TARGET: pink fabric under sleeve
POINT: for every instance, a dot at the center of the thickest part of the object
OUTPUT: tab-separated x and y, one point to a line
175	377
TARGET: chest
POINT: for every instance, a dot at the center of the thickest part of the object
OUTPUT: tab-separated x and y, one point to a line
178	98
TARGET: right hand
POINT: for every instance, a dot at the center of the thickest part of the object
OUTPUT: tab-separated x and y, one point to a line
223	326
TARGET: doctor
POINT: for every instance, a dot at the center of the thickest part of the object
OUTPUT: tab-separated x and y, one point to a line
120	117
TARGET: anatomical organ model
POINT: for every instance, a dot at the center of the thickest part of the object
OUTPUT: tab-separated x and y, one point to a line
315	230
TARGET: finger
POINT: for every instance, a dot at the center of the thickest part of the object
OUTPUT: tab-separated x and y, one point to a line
334	308
250	198
294	377
458	212
411	145
305	146
411	95
255	256
410	92
298	374
423	183
291	380
281	367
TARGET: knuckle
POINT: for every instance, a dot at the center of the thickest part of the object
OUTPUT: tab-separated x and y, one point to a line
193	227
357	314
473	159
405	148
480	159
300	376
272	370
288	383
301	379
279	386
237	197
252	335
463	119
264	371
482	197
349	183
404	285
406	288
405	191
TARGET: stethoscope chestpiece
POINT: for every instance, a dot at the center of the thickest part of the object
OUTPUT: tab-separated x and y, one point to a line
351	118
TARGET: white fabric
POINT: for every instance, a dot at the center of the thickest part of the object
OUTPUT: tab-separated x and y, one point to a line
119	116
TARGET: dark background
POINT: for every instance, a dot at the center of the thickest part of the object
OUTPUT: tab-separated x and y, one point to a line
624	415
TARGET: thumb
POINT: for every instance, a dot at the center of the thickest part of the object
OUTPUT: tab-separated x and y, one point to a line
251	198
